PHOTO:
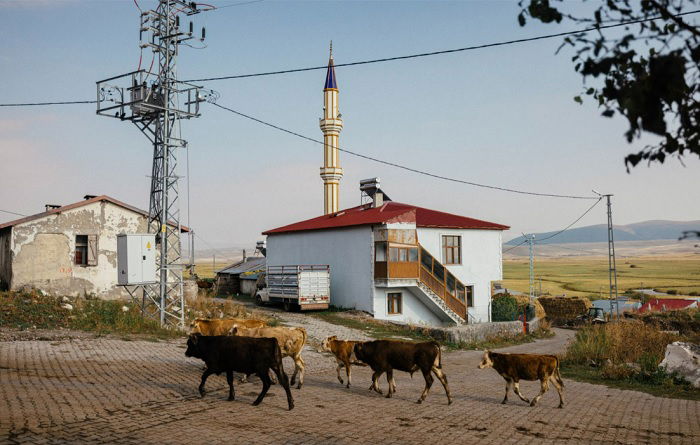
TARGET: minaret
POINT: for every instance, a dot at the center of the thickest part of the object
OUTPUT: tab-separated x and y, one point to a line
331	124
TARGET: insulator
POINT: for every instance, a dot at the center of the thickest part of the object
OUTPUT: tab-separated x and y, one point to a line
191	27
177	21
204	33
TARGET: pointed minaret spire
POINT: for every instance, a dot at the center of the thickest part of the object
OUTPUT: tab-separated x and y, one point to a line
331	125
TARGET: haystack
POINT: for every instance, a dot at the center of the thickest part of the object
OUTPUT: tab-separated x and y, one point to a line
563	309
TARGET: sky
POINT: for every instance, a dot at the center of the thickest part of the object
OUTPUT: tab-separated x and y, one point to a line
502	116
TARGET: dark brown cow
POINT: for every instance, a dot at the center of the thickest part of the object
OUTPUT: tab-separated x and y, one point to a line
514	367
240	354
386	355
344	352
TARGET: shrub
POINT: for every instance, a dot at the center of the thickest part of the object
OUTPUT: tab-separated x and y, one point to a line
672	292
504	308
693	294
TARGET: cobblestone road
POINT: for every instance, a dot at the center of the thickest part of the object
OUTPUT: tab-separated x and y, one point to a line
108	390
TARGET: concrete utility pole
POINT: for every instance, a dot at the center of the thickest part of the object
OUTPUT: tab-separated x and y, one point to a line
531	243
156	102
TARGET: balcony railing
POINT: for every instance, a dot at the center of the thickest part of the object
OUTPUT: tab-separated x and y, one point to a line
416	263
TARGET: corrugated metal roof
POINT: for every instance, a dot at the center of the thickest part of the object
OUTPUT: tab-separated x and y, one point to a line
80	204
667	304
390	212
251	264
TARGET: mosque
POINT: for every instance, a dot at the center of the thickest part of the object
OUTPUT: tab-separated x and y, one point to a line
396	261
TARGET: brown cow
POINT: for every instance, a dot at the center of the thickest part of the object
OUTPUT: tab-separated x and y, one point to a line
344	352
386	355
513	367
222	326
291	341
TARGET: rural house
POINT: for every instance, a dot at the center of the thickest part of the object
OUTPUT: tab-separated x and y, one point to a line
241	277
399	262
69	250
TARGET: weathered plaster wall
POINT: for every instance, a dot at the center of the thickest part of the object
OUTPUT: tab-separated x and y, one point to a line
5	257
43	250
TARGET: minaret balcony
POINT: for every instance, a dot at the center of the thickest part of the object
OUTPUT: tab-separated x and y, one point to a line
331	125
331	174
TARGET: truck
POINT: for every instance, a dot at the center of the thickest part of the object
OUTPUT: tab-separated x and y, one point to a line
296	287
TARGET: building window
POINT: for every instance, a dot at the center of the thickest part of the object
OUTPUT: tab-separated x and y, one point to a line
452	249
85	250
393	303
380	252
470	296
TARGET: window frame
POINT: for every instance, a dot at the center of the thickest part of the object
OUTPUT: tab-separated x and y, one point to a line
394	303
81	247
450	250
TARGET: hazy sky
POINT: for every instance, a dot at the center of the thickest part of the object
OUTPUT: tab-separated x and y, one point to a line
502	116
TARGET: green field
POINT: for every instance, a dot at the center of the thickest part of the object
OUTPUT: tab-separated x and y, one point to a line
586	276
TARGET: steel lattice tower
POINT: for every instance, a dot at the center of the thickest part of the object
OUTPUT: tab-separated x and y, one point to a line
156	103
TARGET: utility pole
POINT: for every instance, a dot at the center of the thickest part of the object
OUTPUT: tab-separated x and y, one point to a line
156	102
612	269
531	243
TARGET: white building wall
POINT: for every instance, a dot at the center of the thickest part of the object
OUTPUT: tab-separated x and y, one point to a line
413	310
348	251
43	250
482	262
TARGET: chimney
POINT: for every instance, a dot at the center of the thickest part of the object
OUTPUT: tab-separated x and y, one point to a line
378	198
50	207
86	197
244	255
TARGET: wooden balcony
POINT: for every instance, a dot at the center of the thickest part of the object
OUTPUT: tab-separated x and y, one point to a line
416	263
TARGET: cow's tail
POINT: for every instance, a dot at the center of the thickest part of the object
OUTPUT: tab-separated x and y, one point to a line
303	336
557	375
439	355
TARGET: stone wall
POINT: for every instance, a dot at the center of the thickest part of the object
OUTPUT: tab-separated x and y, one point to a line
477	331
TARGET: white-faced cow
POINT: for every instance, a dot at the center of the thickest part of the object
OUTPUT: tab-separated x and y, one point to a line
386	355
239	354
516	367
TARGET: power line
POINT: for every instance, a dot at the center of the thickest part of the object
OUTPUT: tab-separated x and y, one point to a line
403	167
32	104
12	213
447	51
561	231
238	4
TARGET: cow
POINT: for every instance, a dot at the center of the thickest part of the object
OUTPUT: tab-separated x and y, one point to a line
344	352
223	353
386	355
222	326
514	367
291	341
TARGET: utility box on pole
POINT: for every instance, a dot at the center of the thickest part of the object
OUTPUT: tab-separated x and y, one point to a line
136	259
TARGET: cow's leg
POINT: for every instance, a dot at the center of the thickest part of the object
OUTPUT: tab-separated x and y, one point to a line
206	374
339	364
243	378
389	379
516	389
348	372
443	379
284	381
509	382
299	367
375	382
229	379
560	389
428	383
543	389
265	377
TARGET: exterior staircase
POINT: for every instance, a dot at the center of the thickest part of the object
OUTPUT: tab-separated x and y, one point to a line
440	303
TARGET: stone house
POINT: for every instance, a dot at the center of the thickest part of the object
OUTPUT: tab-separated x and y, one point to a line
69	250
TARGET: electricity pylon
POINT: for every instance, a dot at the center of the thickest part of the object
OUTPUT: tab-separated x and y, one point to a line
156	102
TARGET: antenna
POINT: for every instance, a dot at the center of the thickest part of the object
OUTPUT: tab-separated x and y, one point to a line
156	103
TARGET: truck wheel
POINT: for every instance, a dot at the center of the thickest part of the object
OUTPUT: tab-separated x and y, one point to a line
288	307
258	301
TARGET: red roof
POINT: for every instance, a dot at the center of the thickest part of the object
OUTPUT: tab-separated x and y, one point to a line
666	304
390	212
80	204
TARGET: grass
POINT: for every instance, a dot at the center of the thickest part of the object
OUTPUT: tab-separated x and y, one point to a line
588	276
625	355
504	341
34	311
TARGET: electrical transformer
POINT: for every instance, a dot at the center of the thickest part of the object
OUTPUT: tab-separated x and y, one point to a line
136	259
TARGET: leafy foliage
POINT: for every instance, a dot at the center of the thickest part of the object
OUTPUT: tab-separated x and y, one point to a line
504	308
648	73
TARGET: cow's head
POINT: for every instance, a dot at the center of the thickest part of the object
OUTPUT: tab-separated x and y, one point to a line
486	361
233	330
194	346
326	345
359	350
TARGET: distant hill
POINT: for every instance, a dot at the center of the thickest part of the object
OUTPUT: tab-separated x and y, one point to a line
643	231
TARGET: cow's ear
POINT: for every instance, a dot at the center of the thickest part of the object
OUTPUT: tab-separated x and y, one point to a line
234	330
